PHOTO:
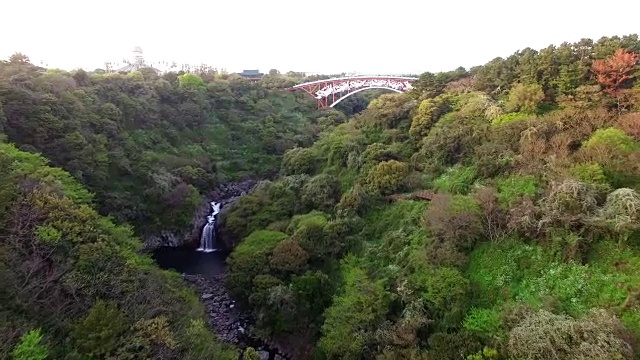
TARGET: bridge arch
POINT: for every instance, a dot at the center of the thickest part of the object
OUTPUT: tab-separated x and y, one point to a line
329	92
363	89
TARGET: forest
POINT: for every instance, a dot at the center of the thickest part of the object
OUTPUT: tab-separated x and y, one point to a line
488	213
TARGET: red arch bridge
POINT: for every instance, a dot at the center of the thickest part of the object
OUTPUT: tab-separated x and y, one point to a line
330	92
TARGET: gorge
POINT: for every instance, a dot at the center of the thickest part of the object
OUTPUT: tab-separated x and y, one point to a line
205	269
489	213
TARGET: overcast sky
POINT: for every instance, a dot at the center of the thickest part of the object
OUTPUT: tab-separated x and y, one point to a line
366	36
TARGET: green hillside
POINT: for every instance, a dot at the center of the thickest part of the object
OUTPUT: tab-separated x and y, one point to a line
528	249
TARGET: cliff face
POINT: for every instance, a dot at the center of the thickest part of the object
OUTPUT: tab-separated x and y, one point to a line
225	194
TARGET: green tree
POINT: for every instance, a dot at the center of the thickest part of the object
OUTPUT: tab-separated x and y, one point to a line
353	316
386	177
192	81
525	98
30	347
101	331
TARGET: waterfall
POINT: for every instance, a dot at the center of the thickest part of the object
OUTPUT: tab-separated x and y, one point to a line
208	237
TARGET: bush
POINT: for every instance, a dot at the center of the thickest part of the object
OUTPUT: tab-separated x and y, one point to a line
354	202
457	180
298	161
614	138
376	153
543	335
251	258
454	346
483	321
514	187
288	256
251	354
510	117
353	316
321	192
101	331
593	174
630	124
454	219
427	115
386	177
30	347
525	97
568	202
621	211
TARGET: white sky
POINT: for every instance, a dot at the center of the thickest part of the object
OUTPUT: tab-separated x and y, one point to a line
367	36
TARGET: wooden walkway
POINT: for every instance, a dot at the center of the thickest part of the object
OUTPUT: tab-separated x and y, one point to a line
423	195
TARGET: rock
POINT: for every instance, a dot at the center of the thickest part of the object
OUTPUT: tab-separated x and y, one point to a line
207	296
225	194
264	355
279	357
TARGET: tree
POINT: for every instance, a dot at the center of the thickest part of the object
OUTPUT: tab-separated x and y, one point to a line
19	58
616	72
190	81
30	347
525	97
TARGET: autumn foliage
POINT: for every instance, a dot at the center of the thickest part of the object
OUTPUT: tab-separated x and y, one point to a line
614	71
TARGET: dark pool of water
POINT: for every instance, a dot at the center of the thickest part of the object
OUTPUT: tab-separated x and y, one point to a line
189	261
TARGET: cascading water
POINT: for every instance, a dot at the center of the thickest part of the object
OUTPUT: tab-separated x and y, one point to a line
208	237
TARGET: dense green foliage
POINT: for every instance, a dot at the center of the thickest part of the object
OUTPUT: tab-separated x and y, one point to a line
149	146
72	283
529	248
486	214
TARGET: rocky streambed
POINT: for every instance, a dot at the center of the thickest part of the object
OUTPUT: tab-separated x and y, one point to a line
207	272
226	319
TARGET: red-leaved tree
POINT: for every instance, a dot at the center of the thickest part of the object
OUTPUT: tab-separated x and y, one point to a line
613	72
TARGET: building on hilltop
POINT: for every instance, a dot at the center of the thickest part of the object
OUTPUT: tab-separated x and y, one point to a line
251	74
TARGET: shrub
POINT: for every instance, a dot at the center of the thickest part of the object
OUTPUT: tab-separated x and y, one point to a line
483	321
621	211
493	158
288	256
386	177
493	217
251	354
456	180
525	97
630	124
251	258
543	335
593	174
515	187
309	219
569	200
100	332
427	115
353	316
30	347
354	201
453	219
509	118
376	153
452	140
453	346
445	295
298	161
614	138
321	192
